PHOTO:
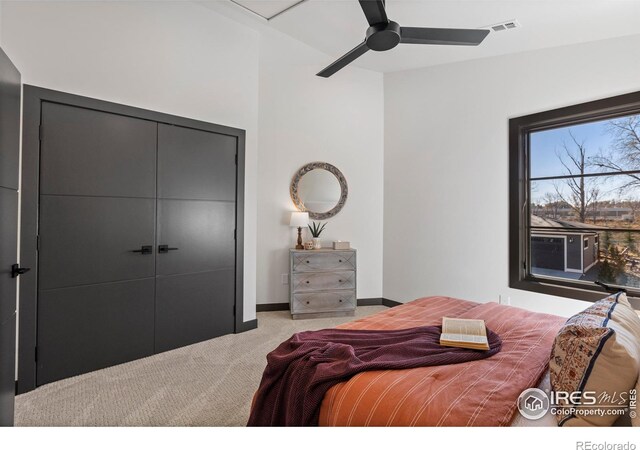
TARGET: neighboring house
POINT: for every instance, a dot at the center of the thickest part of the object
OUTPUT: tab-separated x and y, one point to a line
562	249
602	213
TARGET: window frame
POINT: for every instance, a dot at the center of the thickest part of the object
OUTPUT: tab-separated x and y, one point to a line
520	129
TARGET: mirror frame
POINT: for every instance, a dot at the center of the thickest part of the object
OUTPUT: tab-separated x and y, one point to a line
295	197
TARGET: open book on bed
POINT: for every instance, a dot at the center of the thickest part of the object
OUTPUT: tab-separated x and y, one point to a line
464	333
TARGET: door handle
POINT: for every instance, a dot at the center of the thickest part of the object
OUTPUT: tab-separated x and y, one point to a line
165	248
17	270
144	249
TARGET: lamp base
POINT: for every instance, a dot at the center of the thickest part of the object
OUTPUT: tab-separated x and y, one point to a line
299	246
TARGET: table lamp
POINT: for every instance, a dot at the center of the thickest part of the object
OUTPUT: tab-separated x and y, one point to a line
299	219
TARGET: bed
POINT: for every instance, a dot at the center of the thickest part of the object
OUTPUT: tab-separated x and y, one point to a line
478	393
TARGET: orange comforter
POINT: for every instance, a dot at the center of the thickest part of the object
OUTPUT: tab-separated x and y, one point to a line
477	393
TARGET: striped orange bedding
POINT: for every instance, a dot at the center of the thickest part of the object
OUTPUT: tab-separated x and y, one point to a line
477	393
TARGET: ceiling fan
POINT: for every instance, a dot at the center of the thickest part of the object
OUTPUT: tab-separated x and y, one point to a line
384	34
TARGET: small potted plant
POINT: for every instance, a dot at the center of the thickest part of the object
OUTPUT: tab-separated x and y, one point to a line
316	229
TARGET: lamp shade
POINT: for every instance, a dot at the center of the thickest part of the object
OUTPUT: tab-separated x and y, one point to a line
299	219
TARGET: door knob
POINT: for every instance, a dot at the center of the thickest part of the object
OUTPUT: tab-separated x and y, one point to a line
17	270
165	248
145	250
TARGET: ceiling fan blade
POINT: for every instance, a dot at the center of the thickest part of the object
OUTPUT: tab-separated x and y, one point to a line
374	11
442	36
345	60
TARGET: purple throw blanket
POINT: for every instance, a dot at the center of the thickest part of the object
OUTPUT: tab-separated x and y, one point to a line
303	368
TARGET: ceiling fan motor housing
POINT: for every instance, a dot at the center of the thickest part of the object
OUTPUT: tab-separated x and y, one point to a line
383	36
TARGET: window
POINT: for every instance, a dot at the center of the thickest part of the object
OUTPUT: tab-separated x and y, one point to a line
575	178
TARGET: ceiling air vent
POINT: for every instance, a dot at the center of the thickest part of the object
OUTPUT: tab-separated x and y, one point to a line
502	26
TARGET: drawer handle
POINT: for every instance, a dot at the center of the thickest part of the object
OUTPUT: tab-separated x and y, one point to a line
339	260
340	300
339	281
307	281
308	302
307	262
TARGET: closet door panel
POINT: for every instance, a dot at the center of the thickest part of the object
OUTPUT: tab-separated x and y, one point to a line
88	240
10	103
87	328
195	285
8	251
194	164
7	369
96	285
202	233
193	307
87	152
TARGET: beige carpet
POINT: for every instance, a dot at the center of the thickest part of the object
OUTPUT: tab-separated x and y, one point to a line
205	384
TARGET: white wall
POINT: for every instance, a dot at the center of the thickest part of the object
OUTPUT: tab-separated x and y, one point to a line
446	156
444	232
195	61
175	57
304	118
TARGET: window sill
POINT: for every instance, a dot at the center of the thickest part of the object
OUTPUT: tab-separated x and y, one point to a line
569	291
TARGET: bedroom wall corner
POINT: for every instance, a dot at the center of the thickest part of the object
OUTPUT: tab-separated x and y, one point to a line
446	156
305	118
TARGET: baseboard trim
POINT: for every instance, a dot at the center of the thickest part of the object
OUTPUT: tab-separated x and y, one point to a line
378	301
390	303
370	301
246	326
374	301
267	307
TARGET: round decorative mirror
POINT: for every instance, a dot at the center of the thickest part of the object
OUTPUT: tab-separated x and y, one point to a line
320	189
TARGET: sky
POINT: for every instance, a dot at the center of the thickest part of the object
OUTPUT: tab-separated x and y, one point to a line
544	161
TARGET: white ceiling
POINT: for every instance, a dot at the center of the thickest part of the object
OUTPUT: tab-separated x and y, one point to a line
336	26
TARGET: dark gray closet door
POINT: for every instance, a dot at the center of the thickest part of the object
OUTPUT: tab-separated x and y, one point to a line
196	221
89	240
201	230
8	251
97	211
94	326
93	153
9	154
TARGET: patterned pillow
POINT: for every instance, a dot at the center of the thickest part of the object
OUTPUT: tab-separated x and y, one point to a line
596	351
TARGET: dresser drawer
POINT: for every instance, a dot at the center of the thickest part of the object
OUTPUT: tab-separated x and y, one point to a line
323	281
333	260
314	302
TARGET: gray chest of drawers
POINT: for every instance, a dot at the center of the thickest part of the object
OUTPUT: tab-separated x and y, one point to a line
322	283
